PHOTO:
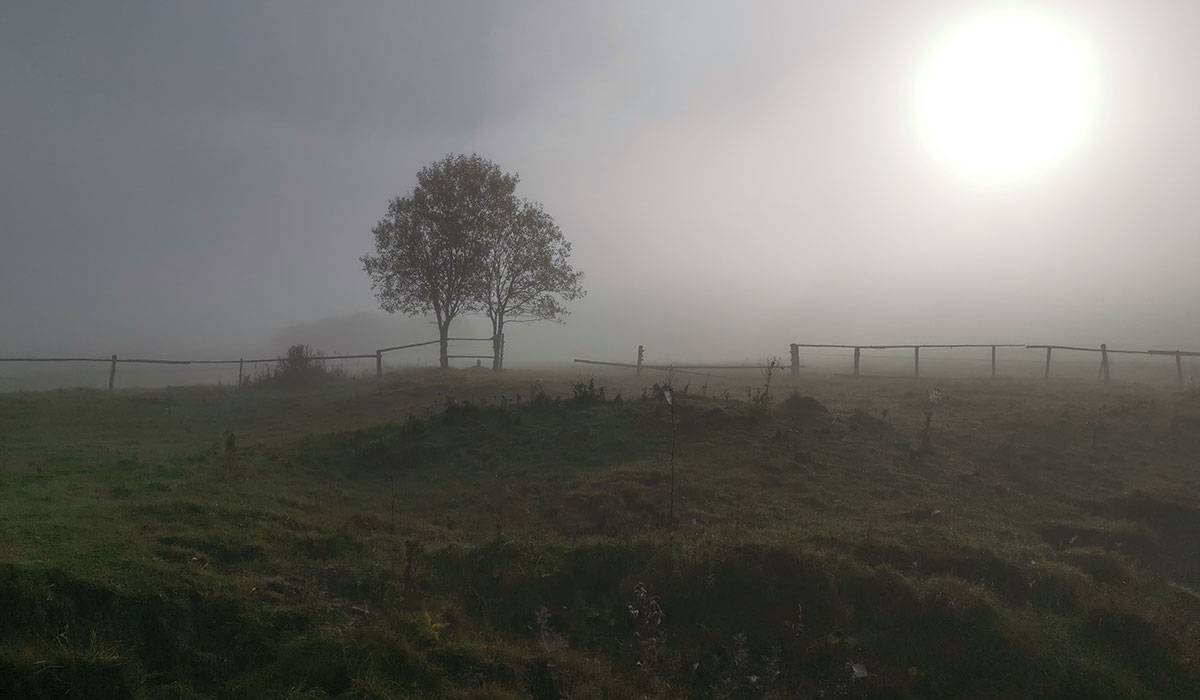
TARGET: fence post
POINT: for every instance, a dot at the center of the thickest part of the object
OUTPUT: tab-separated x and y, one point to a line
241	368
641	354
379	365
112	372
857	354
795	359
1047	374
916	360
1179	366
1104	361
993	362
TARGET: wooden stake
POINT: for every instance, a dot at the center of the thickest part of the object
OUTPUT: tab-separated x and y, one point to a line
379	365
641	356
917	361
993	362
1047	375
857	354
1104	361
241	370
795	359
112	373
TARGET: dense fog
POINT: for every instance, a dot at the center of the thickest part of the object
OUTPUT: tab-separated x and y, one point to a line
200	180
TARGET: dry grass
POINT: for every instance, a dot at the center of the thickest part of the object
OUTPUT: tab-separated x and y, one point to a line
474	535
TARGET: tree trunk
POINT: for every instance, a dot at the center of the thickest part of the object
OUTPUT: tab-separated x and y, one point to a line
498	344
444	344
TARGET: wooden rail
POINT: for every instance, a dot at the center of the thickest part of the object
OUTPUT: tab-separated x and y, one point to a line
915	347
410	345
241	362
1103	373
148	361
1101	349
639	367
1179	355
1105	351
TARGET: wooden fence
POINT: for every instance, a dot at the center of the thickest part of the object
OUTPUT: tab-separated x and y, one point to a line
795	352
241	362
681	368
1103	373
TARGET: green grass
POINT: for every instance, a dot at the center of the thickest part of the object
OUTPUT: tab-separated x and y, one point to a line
464	534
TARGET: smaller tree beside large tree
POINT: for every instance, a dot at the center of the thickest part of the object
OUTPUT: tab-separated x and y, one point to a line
526	273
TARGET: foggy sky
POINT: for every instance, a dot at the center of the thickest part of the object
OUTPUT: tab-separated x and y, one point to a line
195	178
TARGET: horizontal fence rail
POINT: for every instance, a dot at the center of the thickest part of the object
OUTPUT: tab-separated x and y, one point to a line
241	362
693	368
919	345
1104	371
680	368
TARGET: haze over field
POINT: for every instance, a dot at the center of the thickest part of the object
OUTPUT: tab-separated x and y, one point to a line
317	322
202	178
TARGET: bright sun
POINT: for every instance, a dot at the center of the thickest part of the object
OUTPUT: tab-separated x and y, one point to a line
1005	95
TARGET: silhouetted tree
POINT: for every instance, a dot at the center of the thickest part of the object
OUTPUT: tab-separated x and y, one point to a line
526	273
430	245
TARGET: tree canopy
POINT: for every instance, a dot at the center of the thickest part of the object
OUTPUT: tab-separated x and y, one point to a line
463	242
526	273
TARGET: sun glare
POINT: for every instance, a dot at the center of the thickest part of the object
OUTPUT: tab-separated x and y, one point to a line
1006	95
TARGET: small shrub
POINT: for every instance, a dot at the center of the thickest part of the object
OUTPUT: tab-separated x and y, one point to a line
301	367
587	393
763	396
658	392
935	398
538	397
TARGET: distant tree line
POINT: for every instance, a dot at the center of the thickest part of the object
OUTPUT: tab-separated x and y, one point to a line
464	242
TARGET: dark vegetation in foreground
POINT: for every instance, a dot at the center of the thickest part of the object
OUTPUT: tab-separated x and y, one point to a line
468	536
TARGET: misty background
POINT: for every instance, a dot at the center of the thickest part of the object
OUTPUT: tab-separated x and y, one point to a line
199	180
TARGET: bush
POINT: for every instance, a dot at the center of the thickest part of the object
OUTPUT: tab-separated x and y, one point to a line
301	367
587	393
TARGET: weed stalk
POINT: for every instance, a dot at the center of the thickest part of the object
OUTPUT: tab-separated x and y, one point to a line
671	405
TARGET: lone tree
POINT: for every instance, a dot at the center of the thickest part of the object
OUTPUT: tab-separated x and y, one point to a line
526	273
430	245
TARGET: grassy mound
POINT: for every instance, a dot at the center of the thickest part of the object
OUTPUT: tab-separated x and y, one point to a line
505	547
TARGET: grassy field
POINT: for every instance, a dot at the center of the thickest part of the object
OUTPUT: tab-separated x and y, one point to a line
463	534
